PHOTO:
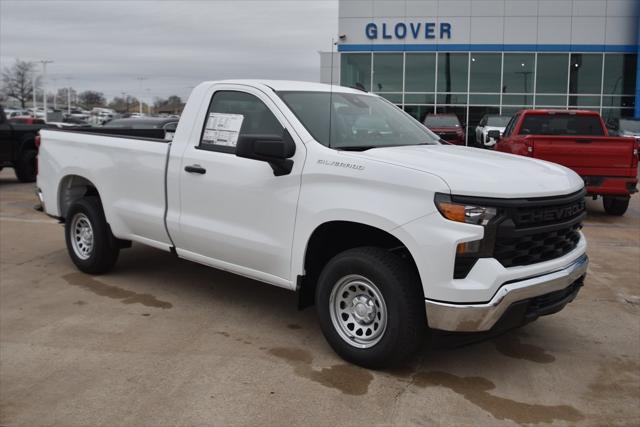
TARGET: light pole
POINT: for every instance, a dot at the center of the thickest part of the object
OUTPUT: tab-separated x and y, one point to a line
35	99
140	79
44	63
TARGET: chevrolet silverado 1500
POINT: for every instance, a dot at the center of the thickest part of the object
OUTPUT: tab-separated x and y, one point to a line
386	230
578	140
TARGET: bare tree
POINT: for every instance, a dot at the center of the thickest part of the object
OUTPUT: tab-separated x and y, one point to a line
172	105
17	81
65	94
90	98
123	104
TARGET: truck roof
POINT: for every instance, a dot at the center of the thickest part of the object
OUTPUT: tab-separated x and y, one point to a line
561	111
289	85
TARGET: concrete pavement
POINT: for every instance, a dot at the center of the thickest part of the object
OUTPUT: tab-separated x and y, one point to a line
161	341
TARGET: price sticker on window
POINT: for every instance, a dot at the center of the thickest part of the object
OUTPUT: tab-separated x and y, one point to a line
222	129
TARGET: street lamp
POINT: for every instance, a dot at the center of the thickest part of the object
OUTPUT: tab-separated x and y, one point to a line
44	63
140	79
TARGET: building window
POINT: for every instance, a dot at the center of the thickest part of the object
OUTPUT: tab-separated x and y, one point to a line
485	72
585	73
452	72
387	72
518	70
420	72
551	74
356	70
620	74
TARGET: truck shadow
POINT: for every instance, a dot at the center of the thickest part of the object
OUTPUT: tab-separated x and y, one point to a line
189	282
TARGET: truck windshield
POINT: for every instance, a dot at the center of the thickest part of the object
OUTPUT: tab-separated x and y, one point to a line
561	124
441	120
498	121
355	122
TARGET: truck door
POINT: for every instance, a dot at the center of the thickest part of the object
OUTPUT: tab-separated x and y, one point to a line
235	214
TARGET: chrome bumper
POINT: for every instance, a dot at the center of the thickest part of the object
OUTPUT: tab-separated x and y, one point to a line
482	317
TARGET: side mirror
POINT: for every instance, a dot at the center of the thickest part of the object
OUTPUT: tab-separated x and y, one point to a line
494	134
276	150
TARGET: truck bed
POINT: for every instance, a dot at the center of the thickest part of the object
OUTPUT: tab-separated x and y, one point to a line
129	171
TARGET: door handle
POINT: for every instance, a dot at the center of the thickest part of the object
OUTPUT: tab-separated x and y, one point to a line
195	169
584	141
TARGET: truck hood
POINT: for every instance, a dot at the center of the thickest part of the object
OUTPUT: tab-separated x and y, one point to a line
474	172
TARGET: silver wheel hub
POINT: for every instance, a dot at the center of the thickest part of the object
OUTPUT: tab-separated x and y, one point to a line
358	311
81	236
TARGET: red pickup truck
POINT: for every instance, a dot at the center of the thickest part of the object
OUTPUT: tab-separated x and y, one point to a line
578	140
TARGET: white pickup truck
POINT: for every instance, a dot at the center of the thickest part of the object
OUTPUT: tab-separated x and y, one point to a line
339	195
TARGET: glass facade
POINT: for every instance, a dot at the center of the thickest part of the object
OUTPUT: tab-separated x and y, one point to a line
472	84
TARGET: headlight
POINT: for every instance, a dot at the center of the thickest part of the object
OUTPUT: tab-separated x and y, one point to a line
460	212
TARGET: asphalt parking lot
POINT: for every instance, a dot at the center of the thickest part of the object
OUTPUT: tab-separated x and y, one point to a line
161	341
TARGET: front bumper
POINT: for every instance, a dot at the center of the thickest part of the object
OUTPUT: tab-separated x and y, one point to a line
482	317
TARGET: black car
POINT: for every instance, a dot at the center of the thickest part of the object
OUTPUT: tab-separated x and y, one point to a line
18	147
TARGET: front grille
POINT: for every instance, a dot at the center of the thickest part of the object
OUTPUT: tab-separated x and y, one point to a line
533	248
526	231
538	230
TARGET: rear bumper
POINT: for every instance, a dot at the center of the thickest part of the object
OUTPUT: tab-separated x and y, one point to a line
607	185
535	296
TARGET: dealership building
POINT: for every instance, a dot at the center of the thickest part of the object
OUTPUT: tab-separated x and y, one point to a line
477	57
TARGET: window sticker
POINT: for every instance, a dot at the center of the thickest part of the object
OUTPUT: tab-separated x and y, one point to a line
222	129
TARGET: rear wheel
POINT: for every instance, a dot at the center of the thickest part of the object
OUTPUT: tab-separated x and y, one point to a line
91	246
25	166
370	307
615	205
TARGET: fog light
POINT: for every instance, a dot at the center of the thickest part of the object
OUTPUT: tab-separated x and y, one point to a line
468	248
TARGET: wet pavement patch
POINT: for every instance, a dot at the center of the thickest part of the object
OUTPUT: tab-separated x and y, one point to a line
124	295
476	391
347	378
511	346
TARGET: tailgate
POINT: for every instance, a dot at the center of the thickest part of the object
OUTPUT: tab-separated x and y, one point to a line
589	155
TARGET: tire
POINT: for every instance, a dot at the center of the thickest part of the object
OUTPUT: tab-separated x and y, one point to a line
26	166
95	250
615	205
375	278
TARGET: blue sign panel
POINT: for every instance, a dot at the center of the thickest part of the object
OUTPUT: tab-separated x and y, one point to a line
410	30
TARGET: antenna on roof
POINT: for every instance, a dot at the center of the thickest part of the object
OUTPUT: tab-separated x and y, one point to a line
341	37
333	43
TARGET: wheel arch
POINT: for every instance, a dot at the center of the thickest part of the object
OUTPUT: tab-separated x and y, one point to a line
72	188
335	236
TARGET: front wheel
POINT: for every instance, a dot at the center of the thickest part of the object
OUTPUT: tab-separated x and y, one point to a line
91	246
615	205
370	307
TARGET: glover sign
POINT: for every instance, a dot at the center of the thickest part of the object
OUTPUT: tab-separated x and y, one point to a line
409	30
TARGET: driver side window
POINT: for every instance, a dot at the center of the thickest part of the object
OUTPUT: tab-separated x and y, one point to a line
232	115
